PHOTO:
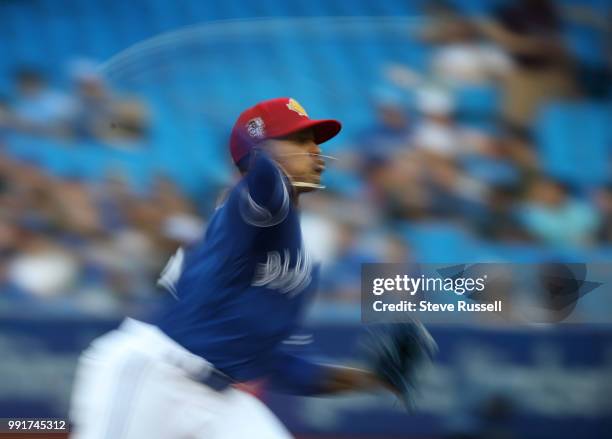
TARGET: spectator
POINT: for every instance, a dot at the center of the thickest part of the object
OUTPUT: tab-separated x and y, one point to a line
42	268
388	135
552	216
99	113
389	186
37	107
500	222
441	142
77	211
461	56
27	189
391	131
127	260
341	278
112	199
180	225
6	117
169	197
603	198
530	32
437	133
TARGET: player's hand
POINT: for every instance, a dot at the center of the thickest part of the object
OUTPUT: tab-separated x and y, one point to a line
395	352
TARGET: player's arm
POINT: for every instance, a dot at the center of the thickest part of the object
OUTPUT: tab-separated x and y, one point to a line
265	198
393	353
518	43
291	373
337	379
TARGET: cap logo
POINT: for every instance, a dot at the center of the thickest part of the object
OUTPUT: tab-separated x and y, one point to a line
294	105
256	128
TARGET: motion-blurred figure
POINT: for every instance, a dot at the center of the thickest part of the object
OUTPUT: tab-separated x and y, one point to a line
553	216
250	271
530	32
101	115
603	198
42	268
442	143
38	108
461	55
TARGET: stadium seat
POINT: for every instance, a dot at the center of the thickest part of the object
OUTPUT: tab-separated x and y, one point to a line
441	242
575	141
477	102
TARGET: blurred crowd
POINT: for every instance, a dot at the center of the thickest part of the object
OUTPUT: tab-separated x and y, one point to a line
425	161
101	244
420	161
428	161
63	236
433	167
89	111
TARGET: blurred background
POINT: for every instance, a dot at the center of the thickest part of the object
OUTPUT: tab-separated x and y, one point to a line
474	131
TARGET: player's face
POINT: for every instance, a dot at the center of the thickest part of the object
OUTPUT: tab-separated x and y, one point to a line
299	156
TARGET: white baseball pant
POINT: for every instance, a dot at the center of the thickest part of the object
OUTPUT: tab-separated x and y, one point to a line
136	382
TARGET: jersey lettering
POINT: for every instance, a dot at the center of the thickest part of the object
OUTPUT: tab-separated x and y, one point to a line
276	274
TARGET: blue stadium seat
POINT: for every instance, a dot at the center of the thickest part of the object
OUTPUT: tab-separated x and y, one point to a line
439	242
575	141
477	101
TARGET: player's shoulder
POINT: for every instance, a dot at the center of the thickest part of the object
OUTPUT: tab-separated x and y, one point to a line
232	206
226	205
252	209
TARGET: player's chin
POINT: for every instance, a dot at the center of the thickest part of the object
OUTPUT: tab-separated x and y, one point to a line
316	178
311	183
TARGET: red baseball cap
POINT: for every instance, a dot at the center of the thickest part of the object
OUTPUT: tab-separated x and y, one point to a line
276	118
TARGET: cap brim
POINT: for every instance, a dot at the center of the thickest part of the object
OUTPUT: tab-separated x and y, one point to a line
323	129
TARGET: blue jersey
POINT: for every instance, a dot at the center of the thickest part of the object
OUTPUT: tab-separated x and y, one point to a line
241	292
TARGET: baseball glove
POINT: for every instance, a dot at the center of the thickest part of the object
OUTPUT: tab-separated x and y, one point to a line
394	353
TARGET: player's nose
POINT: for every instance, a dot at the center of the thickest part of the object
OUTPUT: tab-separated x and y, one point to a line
319	162
314	149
